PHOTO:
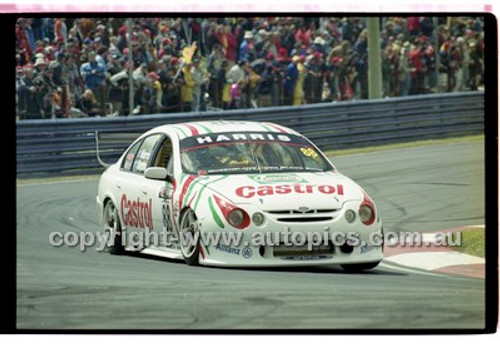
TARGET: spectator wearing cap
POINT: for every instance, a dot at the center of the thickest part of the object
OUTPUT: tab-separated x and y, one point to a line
319	45
40	65
92	72
249	86
29	104
429	56
289	82
141	80
156	95
122	38
118	86
314	80
59	70
247	47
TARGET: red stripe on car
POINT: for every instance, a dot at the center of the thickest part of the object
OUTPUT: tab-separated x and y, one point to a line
184	189
193	129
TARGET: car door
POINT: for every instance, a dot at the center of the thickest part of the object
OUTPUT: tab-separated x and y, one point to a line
160	192
136	205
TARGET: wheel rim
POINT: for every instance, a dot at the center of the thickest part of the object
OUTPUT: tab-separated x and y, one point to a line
188	230
111	228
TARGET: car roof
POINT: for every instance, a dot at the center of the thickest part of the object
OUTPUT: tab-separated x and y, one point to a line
188	129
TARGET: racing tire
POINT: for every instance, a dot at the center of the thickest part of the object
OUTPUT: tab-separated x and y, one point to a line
189	227
112	227
359	267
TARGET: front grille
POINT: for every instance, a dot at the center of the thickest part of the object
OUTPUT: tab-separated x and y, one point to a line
305	219
295	215
299	212
283	250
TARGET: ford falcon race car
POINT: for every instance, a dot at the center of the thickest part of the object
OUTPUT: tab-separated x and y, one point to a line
236	194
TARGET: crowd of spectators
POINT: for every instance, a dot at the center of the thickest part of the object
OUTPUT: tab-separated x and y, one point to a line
74	67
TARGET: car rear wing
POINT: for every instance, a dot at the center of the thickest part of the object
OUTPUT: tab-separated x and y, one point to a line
110	145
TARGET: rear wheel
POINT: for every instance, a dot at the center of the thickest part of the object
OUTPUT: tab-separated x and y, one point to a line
189	230
112	229
359	267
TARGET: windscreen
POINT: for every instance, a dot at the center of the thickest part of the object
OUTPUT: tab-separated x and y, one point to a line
250	152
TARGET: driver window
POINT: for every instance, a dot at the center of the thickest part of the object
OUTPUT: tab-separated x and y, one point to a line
164	155
144	154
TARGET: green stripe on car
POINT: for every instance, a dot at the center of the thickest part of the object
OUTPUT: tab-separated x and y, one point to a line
216	217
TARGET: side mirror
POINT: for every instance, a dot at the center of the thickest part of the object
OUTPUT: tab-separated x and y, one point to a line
169	178
156	173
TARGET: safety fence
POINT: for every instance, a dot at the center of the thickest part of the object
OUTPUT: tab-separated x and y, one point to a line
67	146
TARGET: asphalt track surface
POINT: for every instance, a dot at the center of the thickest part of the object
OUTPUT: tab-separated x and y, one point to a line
416	189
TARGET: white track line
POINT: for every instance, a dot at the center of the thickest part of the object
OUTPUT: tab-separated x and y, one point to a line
432	260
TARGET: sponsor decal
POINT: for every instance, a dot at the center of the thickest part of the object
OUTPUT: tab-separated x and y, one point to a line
309	152
225	137
227	249
276	178
211	139
247	252
137	213
306	257
264	190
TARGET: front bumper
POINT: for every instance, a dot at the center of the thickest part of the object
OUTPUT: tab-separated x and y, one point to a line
250	253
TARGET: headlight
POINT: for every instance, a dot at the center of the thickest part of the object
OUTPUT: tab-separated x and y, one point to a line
258	219
238	218
350	216
235	217
366	214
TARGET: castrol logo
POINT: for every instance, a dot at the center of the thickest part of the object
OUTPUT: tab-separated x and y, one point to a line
267	190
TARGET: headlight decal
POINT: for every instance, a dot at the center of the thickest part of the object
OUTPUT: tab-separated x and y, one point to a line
229	209
216	216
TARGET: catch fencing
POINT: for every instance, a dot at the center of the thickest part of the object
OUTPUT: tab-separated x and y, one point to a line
67	146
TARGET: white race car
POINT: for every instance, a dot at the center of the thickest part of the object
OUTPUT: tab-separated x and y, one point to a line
236	194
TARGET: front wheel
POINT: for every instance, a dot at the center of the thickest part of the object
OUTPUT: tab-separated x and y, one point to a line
359	267
112	229
189	243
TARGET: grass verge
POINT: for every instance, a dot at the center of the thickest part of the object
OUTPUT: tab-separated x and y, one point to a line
472	242
467	138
